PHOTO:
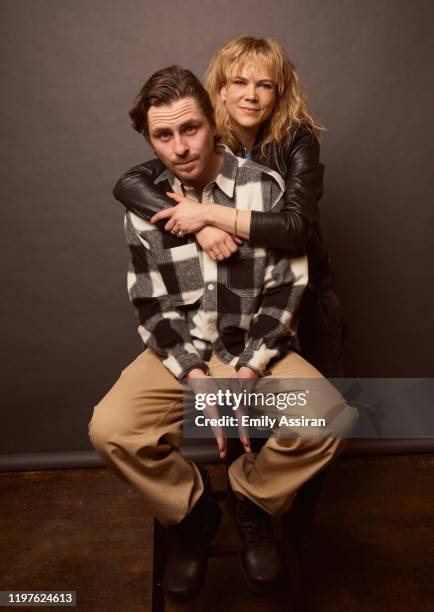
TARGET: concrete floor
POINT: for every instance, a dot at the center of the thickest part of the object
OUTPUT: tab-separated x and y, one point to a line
85	530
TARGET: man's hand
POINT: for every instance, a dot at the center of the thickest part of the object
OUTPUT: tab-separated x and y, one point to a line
216	243
245	372
244	377
187	216
202	383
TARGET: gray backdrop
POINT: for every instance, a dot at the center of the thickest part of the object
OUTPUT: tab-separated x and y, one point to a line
70	71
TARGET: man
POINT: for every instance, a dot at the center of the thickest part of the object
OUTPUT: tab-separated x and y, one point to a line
202	318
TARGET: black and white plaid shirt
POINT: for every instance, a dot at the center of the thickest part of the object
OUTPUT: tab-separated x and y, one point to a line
189	305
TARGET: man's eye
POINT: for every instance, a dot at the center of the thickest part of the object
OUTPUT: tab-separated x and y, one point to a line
163	136
190	129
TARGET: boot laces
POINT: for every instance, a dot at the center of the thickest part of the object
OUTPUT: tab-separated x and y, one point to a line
255	526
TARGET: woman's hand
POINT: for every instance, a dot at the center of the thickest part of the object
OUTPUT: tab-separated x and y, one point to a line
186	217
217	244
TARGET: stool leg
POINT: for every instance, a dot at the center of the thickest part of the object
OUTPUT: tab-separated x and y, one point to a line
297	526
159	558
298	521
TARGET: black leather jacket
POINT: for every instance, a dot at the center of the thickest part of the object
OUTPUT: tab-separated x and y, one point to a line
295	228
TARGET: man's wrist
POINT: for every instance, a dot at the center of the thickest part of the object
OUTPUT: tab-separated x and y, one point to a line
208	225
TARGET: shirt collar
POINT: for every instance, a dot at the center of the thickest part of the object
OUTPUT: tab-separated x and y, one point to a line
225	179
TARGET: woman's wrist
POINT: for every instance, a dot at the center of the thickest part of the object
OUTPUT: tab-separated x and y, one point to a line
210	216
223	218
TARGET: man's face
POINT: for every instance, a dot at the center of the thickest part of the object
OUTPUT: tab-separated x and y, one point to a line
183	139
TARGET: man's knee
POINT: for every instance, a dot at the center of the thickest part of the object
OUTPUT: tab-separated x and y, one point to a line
99	434
345	422
126	423
332	438
106	424
339	429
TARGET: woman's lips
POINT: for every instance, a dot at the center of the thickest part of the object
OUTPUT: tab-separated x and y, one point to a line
250	111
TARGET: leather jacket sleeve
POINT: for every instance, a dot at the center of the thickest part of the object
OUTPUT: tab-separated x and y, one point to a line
298	162
136	190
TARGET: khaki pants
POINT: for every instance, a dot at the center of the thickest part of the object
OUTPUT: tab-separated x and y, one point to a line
137	430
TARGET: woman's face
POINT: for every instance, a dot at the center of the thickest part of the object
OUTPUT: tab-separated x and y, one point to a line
249	96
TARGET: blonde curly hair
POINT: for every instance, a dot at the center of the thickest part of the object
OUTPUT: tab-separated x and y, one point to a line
290	110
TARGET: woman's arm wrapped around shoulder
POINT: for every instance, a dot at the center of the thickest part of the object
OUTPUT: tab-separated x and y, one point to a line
137	192
299	164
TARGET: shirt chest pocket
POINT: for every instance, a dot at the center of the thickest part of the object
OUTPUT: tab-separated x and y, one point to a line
181	273
246	270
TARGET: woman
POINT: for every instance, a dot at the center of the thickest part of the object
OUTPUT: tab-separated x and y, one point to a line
261	114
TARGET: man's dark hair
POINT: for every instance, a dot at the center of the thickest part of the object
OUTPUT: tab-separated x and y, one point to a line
164	87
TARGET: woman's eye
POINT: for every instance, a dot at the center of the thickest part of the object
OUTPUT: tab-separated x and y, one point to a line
266	85
238	82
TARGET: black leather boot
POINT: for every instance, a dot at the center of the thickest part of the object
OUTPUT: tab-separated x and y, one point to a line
259	555
188	547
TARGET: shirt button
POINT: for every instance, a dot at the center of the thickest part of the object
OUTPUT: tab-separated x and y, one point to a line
210	286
